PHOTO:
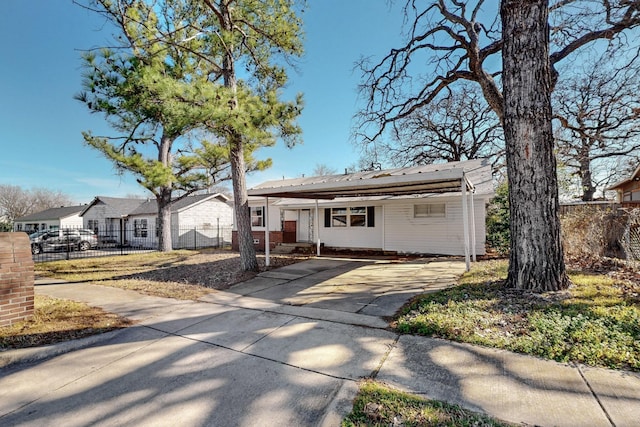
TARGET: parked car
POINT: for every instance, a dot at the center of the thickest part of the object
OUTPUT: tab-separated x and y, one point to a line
63	239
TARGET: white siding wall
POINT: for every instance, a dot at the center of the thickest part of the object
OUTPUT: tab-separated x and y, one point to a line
73	221
274	215
353	237
108	227
445	236
44	224
202	224
148	241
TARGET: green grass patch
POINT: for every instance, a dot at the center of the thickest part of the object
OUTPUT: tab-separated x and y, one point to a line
377	405
595	322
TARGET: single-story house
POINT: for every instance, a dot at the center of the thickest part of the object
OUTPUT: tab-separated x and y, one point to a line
628	190
107	217
197	220
431	209
62	217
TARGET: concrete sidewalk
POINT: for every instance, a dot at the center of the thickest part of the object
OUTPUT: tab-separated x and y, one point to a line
249	357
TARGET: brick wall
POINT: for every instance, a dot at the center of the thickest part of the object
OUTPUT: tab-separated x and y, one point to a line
275	237
16	278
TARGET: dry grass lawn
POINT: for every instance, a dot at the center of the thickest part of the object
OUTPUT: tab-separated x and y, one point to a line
186	275
57	320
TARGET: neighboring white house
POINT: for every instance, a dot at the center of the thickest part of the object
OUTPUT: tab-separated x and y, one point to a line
63	217
196	221
107	217
409	210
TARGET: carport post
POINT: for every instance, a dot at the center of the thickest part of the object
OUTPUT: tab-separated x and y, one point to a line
473	227
317	231
465	220
267	261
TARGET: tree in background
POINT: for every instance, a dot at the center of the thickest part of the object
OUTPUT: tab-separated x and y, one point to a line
458	42
16	202
455	127
598	111
321	169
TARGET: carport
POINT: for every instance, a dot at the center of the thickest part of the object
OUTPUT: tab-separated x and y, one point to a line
380	183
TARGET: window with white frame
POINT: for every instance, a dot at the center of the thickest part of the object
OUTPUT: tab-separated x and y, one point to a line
338	217
430	210
257	216
92	224
358	217
140	228
361	216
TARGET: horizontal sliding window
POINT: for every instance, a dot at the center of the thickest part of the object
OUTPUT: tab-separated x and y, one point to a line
430	210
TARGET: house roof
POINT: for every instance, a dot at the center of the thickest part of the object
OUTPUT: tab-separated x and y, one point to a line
53	213
118	206
150	207
427	179
634	176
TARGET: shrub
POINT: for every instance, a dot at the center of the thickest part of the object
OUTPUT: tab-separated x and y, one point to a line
591	232
498	233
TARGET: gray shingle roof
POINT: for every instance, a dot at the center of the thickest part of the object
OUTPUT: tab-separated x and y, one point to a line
150	207
118	206
53	213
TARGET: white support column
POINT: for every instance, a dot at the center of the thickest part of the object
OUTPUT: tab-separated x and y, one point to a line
473	228
465	221
267	250
317	221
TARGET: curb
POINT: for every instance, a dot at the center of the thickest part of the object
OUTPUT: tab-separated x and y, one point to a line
34	354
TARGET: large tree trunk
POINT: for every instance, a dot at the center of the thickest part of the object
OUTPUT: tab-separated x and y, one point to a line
163	198
536	261
164	220
248	260
586	178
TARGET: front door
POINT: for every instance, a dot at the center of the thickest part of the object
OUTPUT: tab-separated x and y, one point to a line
304	225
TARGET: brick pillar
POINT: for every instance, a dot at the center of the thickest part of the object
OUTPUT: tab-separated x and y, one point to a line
16	278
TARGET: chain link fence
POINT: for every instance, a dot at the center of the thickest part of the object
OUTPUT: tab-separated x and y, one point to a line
73	243
631	238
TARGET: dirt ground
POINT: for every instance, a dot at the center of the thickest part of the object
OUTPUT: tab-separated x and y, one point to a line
215	269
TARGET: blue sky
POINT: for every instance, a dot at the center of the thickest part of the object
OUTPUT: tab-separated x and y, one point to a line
41	124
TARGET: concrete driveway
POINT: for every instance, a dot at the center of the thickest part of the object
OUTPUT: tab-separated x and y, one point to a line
371	287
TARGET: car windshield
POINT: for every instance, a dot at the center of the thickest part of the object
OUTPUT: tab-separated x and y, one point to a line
37	234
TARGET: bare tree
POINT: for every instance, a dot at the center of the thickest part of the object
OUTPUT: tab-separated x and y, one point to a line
16	202
599	115
321	169
454	45
459	126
